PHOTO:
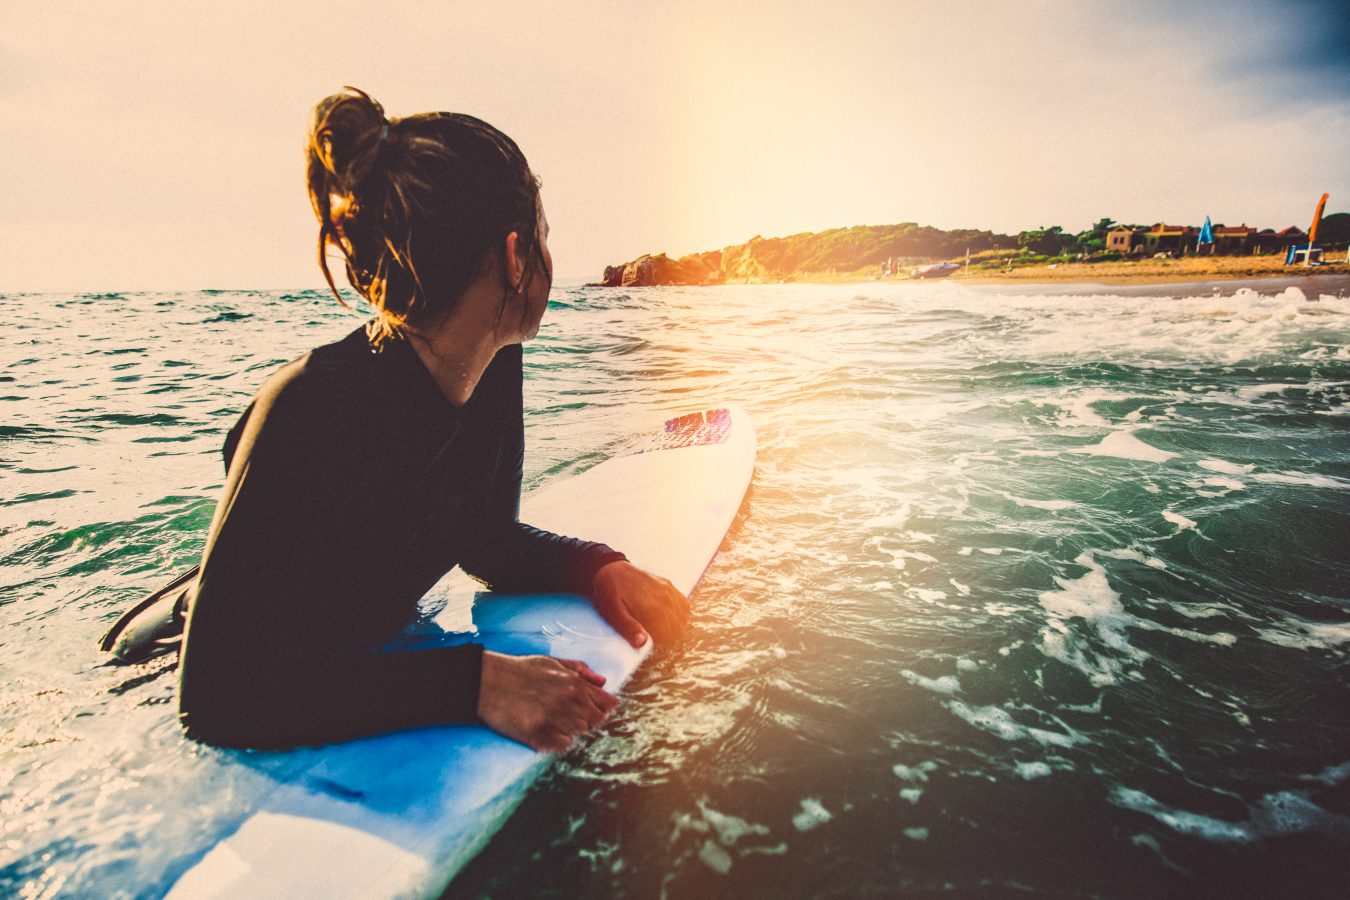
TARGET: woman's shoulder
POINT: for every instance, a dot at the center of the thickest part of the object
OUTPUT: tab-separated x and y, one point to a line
325	415
320	384
334	368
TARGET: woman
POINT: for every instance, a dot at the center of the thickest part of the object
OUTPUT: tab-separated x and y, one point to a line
366	469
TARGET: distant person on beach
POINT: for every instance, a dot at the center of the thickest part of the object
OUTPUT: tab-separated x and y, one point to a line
366	469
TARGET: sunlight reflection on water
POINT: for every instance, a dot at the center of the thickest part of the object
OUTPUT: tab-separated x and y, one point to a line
1005	595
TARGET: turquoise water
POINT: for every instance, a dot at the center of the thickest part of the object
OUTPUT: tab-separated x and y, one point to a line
1034	592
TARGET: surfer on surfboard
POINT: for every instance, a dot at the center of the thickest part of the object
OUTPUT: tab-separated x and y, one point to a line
366	469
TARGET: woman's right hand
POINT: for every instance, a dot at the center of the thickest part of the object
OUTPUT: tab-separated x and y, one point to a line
543	702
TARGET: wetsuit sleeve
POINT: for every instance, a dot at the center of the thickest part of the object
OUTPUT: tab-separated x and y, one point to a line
276	648
517	557
508	555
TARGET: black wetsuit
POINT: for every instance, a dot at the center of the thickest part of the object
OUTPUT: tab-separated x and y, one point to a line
353	485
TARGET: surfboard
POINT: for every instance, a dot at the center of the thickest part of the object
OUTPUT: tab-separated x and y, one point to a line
399	815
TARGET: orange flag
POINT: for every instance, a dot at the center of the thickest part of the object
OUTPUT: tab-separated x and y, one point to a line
1317	219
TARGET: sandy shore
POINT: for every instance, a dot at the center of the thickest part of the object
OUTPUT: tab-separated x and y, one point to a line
1159	271
1265	269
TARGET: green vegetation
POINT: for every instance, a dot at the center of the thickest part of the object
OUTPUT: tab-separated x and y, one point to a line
863	246
1334	230
1053	241
865	250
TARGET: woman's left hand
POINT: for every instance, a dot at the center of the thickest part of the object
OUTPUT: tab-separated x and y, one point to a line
638	603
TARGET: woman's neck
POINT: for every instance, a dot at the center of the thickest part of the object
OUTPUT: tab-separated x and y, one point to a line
456	370
457	350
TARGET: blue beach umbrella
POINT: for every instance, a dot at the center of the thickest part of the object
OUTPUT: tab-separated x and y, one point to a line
1206	233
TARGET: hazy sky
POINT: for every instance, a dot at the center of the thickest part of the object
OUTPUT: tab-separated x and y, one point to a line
156	144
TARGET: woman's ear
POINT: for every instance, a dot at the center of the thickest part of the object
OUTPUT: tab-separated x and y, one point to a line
514	268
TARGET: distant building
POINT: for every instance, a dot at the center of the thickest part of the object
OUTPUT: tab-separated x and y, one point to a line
1163	238
1265	241
1231	239
1123	240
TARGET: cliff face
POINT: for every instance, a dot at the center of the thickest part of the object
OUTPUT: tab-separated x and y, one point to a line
839	250
698	268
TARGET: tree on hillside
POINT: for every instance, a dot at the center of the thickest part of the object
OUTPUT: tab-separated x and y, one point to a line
1335	229
1050	241
1094	239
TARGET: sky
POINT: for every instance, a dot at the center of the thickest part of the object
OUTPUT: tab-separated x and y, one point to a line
156	145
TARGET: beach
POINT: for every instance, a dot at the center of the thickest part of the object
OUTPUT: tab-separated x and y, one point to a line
1227	270
1161	271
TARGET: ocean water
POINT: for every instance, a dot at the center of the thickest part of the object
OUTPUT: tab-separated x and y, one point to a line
1035	591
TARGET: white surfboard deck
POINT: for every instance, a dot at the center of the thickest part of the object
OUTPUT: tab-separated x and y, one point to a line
399	815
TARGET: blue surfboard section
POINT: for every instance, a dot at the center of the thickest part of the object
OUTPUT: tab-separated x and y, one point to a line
399	815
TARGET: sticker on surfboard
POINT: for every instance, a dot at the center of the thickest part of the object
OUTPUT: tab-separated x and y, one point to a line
711	426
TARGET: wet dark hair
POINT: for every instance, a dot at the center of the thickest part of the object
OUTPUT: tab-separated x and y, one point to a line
418	206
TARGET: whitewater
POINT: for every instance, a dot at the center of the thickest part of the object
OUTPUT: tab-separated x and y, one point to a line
1035	590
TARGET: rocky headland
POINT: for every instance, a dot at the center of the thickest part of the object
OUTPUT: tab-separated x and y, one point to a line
805	256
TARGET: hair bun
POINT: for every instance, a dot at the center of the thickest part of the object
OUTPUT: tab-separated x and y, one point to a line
345	135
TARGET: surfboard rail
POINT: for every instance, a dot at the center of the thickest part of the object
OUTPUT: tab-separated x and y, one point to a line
399	815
